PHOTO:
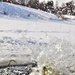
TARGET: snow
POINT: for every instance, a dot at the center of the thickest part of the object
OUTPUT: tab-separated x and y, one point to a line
44	39
70	17
23	12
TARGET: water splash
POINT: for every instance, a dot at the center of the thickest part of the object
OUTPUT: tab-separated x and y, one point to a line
58	55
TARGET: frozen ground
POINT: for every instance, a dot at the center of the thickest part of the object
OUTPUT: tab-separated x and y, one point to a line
45	39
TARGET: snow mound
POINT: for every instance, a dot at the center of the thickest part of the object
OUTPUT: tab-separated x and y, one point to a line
69	17
18	11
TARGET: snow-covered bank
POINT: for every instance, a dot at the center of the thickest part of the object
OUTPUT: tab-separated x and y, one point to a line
18	11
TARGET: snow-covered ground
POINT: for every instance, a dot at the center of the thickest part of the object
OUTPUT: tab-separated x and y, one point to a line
28	34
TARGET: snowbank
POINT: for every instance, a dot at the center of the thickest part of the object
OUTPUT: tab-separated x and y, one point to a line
18	11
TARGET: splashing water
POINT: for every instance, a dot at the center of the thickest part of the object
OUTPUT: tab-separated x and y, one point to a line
57	58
